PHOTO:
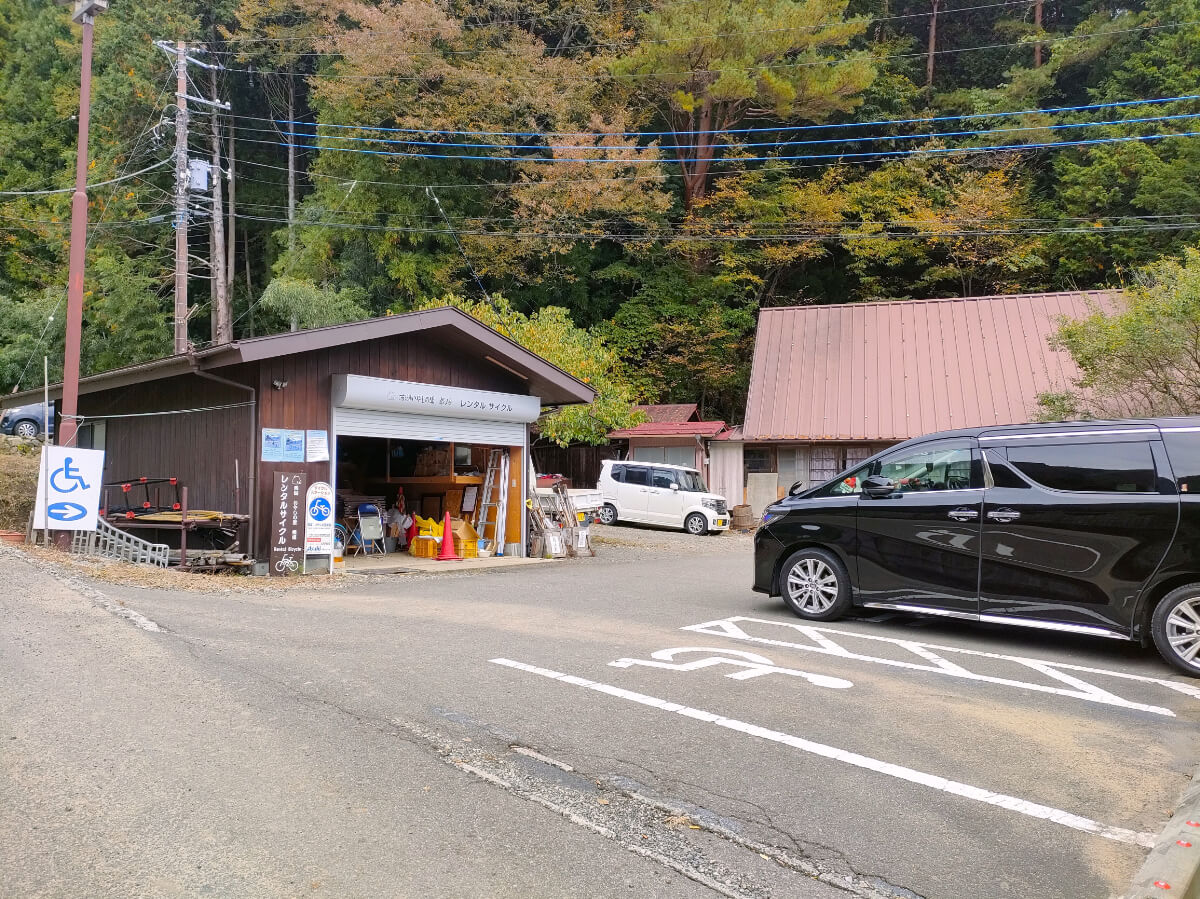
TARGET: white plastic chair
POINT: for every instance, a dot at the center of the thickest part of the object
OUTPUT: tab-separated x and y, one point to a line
370	528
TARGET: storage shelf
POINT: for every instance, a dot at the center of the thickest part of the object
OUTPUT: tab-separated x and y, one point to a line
456	480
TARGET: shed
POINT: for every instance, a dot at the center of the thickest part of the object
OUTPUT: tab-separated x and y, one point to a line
831	385
409	402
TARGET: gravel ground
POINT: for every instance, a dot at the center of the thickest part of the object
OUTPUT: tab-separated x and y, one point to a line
622	542
631	541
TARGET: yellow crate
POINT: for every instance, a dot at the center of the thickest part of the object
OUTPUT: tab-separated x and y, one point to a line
424	548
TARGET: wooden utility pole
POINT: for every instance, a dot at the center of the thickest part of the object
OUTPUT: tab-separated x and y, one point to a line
84	14
230	228
222	320
1037	23
933	17
181	199
291	210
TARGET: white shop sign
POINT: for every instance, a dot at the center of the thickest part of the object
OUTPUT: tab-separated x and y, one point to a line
318	520
384	395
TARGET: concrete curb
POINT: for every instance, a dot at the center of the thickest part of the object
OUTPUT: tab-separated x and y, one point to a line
1172	869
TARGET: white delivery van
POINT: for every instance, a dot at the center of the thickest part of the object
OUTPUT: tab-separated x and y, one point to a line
667	495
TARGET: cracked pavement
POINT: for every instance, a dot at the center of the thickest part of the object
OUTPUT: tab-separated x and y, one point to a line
360	742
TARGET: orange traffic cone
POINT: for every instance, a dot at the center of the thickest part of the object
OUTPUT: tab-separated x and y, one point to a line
447	553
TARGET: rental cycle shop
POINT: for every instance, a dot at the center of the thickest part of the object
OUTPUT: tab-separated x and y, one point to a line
415	404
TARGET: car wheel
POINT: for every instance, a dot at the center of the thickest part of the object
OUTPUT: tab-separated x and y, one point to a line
607	514
26	429
696	524
815	585
1176	628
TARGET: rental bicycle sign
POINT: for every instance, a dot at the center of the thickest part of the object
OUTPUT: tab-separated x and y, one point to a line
68	493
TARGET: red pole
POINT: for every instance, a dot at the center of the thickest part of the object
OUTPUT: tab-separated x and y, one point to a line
79	221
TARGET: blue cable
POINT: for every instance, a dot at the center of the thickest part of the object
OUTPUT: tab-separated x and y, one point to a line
947	118
827	140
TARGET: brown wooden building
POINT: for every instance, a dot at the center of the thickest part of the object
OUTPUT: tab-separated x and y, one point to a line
383	391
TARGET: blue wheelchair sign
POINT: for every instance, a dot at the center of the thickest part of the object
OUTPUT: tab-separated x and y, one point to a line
69	487
67	479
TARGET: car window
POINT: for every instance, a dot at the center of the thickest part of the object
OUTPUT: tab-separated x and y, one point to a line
637	475
928	468
618	473
1183	448
663	478
846	486
1087	467
691	482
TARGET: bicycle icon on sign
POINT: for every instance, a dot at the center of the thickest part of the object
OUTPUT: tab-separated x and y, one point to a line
69	474
287	563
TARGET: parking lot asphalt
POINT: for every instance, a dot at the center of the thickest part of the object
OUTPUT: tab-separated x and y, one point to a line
648	701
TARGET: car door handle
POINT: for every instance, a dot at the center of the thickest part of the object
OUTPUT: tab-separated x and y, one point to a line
1004	516
963	514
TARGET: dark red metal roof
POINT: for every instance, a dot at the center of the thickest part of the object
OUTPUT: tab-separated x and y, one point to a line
671	429
671	412
894	370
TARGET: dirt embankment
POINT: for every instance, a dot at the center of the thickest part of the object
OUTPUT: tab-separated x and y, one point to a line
18	481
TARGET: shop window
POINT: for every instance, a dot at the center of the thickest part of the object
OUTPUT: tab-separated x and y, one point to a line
827	461
759	459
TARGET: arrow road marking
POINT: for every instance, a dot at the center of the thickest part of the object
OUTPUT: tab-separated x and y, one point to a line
823	641
751	665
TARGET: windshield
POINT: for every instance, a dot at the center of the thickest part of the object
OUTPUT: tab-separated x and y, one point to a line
691	482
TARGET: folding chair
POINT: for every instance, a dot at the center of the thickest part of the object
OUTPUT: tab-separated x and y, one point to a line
370	528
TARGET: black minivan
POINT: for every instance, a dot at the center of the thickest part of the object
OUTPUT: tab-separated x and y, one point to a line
1087	527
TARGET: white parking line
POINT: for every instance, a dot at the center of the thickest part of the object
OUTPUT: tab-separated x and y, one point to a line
933	781
825	644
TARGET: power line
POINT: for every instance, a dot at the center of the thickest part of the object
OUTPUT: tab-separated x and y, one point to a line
865	22
766	67
1054	110
92	232
736	238
1059	126
67	190
874	154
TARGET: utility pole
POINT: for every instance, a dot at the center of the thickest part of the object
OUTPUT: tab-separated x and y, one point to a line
181	199
183	185
1037	23
85	14
222	320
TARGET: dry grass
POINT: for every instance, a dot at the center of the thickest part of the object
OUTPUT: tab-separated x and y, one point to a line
18	482
130	575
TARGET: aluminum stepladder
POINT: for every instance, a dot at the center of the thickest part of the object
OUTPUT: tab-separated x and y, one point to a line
493	501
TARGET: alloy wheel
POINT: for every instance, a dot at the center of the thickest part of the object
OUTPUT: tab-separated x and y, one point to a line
696	525
812	586
26	429
1183	630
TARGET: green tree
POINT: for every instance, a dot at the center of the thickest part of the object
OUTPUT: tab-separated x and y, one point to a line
1142	358
551	334
705	67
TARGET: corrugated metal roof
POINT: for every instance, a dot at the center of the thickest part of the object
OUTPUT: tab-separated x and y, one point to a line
894	370
671	412
671	429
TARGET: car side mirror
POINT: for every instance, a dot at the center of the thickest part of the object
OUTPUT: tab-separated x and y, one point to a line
674	486
796	488
878	487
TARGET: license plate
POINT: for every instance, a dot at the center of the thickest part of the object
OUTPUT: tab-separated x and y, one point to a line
720	522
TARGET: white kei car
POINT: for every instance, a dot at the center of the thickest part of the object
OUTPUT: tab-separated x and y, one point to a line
667	495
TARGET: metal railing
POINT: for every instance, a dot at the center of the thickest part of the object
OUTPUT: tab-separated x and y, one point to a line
112	543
